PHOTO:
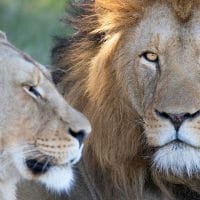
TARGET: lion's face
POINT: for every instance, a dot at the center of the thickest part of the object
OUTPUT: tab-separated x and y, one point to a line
41	135
162	74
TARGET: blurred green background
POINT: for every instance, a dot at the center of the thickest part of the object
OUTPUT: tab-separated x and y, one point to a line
31	24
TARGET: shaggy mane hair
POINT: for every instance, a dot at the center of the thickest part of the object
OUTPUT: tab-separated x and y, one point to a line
117	144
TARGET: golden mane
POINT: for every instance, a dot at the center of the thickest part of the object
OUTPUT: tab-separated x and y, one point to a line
116	143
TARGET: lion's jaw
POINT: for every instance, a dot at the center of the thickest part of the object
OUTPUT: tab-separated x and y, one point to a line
176	151
179	159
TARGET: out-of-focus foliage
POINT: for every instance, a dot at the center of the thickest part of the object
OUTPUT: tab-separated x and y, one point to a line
31	25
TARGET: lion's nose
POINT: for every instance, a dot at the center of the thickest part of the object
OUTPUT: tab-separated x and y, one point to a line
79	135
176	119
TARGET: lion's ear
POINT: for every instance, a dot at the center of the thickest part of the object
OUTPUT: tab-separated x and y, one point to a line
3	35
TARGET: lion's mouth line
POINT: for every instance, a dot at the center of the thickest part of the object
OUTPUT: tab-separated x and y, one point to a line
178	143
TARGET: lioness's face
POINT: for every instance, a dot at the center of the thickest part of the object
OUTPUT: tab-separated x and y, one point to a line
164	86
41	135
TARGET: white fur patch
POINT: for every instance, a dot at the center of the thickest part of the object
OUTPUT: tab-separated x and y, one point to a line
177	159
58	179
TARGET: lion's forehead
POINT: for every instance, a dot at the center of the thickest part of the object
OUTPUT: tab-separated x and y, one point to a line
162	28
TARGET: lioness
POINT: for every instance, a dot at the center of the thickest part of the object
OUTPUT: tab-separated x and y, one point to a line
41	136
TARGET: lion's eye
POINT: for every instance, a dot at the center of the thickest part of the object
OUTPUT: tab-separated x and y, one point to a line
33	91
150	56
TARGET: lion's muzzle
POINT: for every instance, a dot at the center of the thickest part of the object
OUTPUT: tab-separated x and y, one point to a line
178	121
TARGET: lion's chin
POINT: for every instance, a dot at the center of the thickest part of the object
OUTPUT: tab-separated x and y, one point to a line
177	159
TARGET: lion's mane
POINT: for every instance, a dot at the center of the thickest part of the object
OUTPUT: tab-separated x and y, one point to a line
117	145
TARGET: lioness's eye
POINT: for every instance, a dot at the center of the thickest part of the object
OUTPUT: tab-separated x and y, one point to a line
150	56
33	91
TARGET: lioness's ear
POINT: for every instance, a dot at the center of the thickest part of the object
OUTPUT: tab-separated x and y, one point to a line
3	35
57	74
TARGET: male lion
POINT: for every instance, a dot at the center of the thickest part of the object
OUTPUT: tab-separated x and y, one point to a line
134	69
40	134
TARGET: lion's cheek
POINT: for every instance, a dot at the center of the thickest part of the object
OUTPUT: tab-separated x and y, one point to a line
189	132
143	92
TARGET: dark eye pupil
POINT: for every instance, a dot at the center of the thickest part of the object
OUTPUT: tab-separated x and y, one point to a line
34	91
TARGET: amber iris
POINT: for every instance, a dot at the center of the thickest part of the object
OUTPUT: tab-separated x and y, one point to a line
152	57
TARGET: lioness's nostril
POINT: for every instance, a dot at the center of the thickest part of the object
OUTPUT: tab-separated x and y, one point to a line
80	135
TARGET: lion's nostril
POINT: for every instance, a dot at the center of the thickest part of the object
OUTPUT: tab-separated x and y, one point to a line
80	135
176	119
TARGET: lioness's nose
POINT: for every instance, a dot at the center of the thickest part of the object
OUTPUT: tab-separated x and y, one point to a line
79	125
176	119
80	135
